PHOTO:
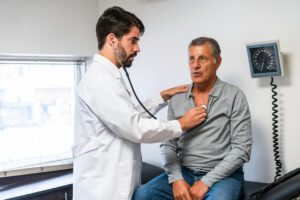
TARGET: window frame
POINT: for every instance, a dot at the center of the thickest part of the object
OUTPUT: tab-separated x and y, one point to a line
80	64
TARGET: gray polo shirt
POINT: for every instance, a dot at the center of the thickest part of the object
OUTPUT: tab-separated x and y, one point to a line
218	146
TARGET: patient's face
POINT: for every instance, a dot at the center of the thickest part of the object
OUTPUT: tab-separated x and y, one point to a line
203	65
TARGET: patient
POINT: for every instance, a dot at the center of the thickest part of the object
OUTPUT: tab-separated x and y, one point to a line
207	161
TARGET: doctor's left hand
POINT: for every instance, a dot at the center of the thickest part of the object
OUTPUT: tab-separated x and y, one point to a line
167	94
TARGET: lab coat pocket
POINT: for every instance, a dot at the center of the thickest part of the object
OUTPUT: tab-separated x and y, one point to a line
127	172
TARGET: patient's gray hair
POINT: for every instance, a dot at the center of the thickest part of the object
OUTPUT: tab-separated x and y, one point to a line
207	40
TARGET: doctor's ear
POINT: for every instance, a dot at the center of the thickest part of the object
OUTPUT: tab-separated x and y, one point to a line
111	39
112	44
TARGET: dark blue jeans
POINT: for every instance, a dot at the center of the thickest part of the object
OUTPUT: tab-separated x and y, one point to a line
159	188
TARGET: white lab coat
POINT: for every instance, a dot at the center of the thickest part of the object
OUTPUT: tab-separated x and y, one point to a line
108	130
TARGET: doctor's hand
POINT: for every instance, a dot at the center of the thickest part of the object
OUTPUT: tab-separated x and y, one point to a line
198	190
192	118
167	94
181	190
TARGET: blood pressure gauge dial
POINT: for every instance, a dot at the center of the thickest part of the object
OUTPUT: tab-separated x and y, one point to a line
264	59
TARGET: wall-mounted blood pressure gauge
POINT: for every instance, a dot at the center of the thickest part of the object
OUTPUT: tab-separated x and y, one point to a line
264	59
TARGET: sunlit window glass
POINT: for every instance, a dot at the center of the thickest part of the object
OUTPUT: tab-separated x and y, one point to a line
36	113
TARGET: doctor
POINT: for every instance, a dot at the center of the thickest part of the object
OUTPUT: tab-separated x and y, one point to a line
108	127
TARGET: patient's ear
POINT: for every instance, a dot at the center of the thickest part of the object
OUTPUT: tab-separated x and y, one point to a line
219	61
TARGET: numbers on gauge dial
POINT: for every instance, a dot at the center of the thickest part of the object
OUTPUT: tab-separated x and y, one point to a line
263	59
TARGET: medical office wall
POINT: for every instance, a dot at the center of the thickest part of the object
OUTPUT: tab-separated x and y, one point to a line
48	27
162	63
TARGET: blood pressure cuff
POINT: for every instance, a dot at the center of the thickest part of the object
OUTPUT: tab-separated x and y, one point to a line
285	187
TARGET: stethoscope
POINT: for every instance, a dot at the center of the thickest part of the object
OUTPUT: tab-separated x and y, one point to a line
137	96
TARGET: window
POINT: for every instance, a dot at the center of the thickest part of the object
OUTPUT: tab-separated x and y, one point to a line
37	96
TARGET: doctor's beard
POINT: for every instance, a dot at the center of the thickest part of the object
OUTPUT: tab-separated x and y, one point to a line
122	57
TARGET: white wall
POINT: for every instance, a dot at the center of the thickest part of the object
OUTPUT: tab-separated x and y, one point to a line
172	24
48	26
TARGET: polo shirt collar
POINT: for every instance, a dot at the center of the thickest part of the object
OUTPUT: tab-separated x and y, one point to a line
215	92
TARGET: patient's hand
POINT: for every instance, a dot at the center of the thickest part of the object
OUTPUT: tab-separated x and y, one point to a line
198	190
181	190
167	94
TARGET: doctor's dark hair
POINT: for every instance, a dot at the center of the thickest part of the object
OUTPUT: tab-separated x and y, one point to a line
118	21
207	40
